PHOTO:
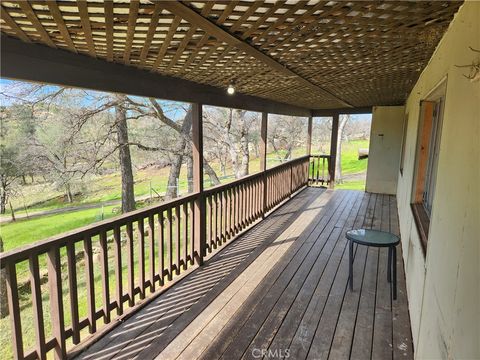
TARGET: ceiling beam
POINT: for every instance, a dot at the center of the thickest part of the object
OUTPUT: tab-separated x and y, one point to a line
214	30
39	63
342	111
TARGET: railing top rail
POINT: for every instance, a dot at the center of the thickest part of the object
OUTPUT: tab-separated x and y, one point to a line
321	156
42	246
236	182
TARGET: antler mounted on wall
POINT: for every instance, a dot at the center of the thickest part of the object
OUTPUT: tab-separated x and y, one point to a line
474	74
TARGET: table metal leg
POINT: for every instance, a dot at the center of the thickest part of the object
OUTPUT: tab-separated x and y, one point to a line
394	269
389	270
350	264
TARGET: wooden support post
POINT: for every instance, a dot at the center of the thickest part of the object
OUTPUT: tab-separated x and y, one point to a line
309	136
309	144
333	150
199	210
263	159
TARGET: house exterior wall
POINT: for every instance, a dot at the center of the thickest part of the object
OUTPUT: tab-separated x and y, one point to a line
444	285
384	152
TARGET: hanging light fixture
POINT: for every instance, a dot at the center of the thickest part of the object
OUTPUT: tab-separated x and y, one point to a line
230	89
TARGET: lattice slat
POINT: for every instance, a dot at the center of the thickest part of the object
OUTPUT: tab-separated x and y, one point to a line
321	54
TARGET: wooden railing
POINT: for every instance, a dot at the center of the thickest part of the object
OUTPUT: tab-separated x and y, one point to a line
320	172
89	277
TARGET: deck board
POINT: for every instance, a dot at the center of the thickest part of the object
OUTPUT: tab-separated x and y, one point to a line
282	287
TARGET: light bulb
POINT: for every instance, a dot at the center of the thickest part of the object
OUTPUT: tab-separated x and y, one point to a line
230	90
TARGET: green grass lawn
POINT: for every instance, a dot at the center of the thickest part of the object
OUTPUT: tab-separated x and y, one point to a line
350	162
351	165
22	232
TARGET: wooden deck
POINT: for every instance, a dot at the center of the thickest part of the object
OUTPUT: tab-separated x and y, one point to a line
280	291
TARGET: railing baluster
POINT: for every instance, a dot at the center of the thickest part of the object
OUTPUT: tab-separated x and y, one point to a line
73	292
192	232
249	203
104	274
130	265
222	217
56	302
231	217
185	234
161	247
117	241
216	236
228	212
244	206
235	209
141	256
14	310
225	215
169	243
323	170
151	237
37	306
209	221
177	239
87	246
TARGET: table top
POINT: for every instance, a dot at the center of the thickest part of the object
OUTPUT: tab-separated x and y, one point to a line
372	237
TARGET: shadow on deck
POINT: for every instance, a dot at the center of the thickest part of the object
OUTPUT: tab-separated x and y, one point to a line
280	291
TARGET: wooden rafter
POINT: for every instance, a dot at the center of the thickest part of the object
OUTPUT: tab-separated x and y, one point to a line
57	16
109	28
132	21
27	8
193	17
87	30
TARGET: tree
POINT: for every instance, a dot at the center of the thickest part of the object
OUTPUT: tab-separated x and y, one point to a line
285	133
177	132
229	133
128	194
15	130
77	134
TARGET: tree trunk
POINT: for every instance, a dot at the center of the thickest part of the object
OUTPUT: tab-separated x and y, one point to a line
288	154
172	191
338	161
128	195
211	173
231	144
68	193
12	212
190	174
3	289
244	170
3	200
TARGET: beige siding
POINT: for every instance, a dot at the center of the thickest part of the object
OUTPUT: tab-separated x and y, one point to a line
443	288
384	153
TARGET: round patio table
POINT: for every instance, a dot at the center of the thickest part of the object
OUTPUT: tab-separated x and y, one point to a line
375	238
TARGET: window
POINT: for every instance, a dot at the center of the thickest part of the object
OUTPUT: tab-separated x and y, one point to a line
426	161
404	139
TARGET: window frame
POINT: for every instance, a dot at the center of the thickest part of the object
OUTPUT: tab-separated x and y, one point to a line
404	142
429	135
